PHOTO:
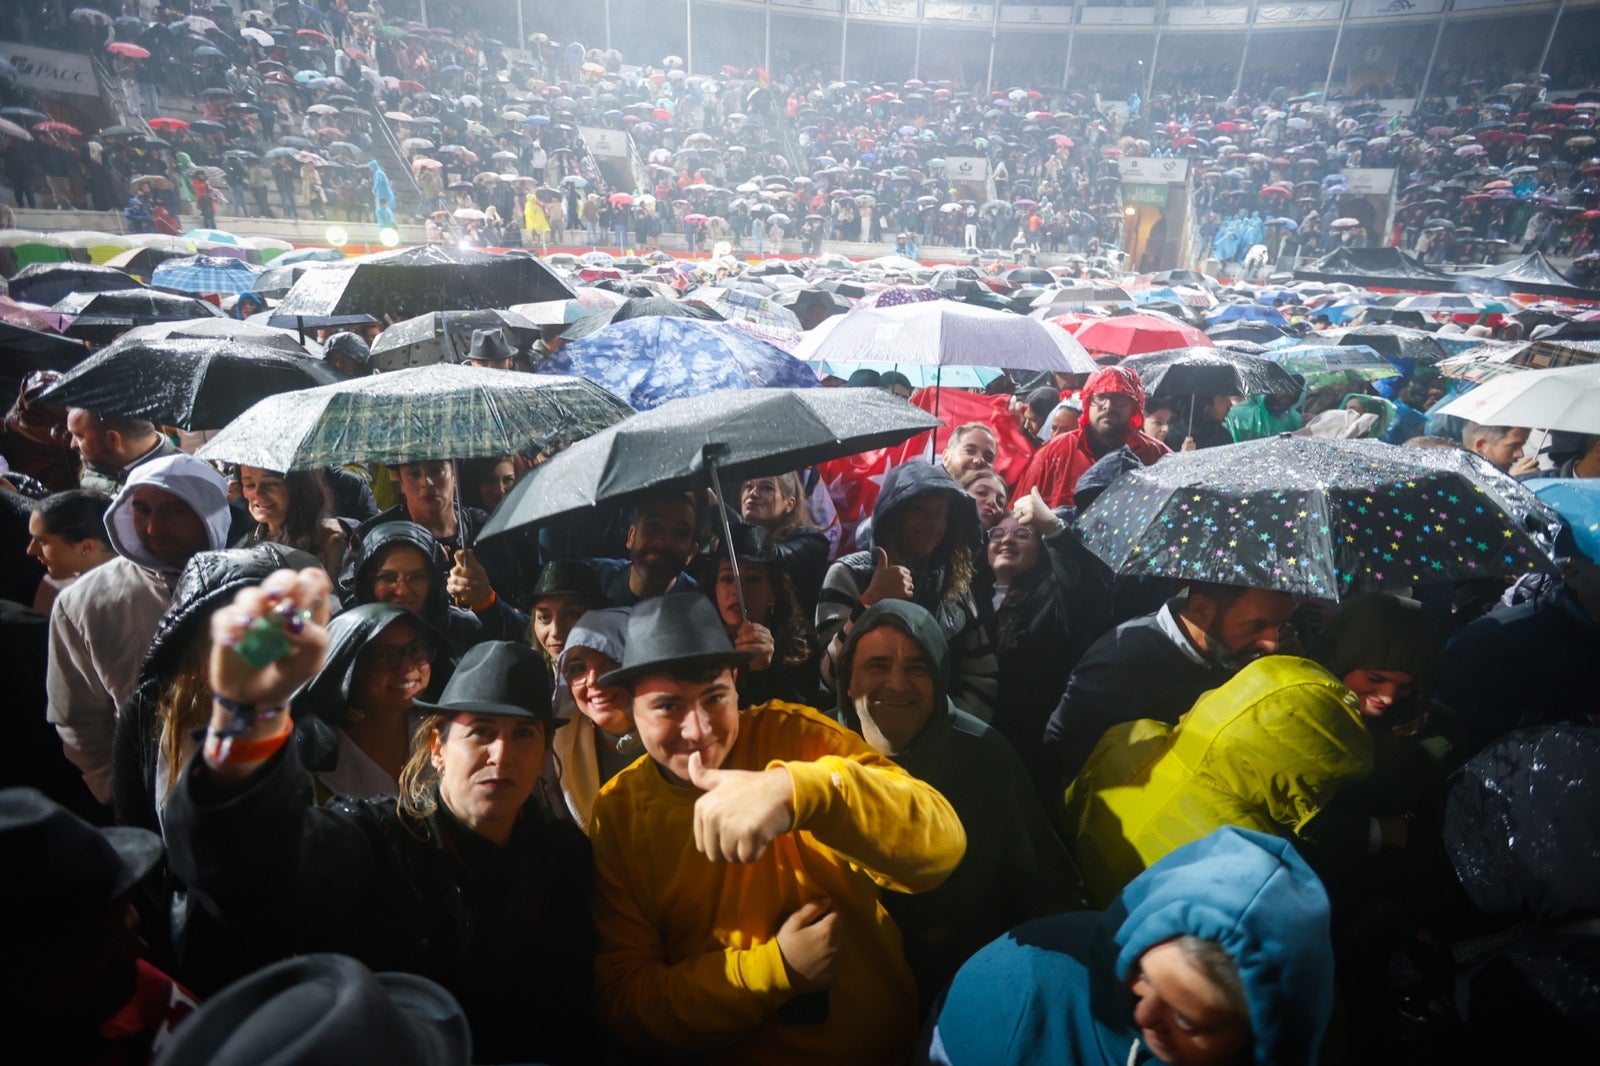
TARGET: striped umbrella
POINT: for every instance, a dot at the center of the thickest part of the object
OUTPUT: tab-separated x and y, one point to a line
205	273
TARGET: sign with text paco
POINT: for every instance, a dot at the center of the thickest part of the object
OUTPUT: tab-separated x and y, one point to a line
46	70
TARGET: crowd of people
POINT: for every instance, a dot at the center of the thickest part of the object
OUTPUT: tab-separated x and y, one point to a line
293	110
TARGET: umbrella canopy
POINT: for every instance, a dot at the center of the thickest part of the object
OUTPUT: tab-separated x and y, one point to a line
1254	332
27	350
1566	397
947	333
191	384
1242	312
443	337
205	273
638	307
1332	364
215	329
1209	372
414	281
1138	334
746	434
651	360
1322	518
430	412
45	283
100	316
1394	342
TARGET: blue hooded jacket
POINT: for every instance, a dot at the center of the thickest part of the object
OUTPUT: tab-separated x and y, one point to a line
1056	990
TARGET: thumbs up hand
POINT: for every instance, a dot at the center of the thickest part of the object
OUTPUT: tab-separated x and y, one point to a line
889	582
1033	512
739	812
468	583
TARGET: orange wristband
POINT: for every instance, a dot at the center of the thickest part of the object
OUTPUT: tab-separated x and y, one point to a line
222	750
479	608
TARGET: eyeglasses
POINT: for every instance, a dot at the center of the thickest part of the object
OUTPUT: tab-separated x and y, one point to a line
1021	535
1103	399
396	577
392	656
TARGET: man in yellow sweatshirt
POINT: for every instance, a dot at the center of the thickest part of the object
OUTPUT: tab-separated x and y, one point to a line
738	866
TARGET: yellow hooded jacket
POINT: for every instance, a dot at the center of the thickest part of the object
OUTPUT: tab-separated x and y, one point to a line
1266	751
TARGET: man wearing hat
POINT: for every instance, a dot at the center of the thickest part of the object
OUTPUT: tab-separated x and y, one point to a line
490	350
738	869
71	969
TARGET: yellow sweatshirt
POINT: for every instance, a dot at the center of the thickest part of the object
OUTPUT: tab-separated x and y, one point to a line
689	961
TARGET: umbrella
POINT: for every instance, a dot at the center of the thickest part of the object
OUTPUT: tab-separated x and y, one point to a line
744	434
444	337
205	273
948	333
45	283
651	360
1251	312
414	281
130	50
740	305
1332	364
1320	518
1566	397
99	316
191	384
638	307
28	350
230	329
1136	334
429	412
1209	372
1394	342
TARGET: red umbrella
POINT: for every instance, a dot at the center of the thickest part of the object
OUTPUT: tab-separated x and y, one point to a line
128	50
310	33
164	123
1136	334
57	127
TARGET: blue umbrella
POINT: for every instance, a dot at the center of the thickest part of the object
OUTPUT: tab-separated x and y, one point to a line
1577	500
205	273
921	376
1251	312
648	361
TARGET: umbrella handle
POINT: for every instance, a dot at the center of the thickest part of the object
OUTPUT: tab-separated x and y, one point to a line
727	536
1191	414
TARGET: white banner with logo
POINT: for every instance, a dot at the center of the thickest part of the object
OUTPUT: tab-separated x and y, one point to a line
1207	16
48	71
1147	170
1119	16
1312	12
945	12
967	168
1016	13
1388	9
1368	181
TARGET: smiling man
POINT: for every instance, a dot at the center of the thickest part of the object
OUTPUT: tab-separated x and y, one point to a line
1113	416
739	868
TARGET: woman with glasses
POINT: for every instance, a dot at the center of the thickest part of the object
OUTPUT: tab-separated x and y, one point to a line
355	718
1035	601
400	563
600	742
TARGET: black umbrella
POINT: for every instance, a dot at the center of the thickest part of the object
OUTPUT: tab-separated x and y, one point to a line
1256	332
638	307
1321	518
191	384
27	350
414	281
100	316
807	301
1209	372
45	283
1396	342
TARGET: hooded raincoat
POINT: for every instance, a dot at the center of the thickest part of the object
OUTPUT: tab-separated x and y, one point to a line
1015	867
1056	990
1266	751
102	624
973	680
1055	469
463	627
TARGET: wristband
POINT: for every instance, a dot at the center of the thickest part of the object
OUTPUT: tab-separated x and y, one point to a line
221	749
244	715
479	608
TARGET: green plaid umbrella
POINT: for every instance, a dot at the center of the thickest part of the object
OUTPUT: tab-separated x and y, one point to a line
1333	364
432	412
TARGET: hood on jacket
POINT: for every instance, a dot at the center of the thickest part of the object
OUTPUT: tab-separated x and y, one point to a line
914	622
1252	894
909	480
192	481
322	706
378	542
208	582
605	630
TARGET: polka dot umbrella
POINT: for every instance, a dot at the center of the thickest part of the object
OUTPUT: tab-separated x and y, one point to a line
1321	518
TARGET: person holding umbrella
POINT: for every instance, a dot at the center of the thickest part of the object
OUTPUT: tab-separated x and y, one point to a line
1113	405
463	878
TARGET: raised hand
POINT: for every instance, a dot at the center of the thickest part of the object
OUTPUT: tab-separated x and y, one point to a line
741	811
889	582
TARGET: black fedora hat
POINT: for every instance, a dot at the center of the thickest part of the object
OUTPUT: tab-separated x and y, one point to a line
751	544
489	346
500	677
325	1009
569	577
673	632
64	869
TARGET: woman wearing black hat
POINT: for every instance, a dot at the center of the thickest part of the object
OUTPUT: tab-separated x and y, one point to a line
465	879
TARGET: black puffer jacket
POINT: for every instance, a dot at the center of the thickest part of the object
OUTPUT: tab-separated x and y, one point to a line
208	582
322	707
505	929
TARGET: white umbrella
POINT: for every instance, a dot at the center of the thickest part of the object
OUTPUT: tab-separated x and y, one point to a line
1566	397
950	333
